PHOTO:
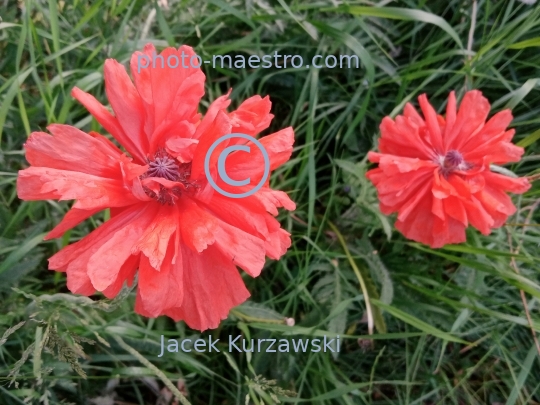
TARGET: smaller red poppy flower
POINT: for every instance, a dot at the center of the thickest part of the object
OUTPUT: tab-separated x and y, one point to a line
435	171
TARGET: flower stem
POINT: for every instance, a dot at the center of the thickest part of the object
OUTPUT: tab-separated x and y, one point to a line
471	30
363	286
522	293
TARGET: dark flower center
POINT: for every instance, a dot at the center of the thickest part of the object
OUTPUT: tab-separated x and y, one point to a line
453	160
165	166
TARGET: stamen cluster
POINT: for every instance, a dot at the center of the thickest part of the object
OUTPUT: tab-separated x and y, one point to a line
452	161
163	165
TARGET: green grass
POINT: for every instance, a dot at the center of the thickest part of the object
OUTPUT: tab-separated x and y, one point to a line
450	326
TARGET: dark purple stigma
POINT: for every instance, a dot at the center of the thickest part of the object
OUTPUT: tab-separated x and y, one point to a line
452	159
163	167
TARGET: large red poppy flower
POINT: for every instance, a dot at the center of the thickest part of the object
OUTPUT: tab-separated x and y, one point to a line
435	172
184	238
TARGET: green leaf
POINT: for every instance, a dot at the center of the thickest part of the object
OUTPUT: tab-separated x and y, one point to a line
529	43
529	139
525	372
233	11
21	251
167	33
397	13
16	82
517	280
417	323
92	11
482	251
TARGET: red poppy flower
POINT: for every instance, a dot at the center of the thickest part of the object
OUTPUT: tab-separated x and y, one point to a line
435	172
167	222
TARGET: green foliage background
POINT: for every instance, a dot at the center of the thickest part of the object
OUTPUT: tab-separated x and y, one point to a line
450	323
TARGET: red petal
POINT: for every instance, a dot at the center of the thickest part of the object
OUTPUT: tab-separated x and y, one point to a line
182	149
243	249
220	104
170	94
412	115
422	226
109	122
198	227
498	181
126	274
241	213
434	136
212	286
71	149
253	116
155	239
273	199
277	243
219	127
163	289
450	118
472	114
74	258
38	183
413	204
105	262
402	137
242	165
126	104
478	216
454	208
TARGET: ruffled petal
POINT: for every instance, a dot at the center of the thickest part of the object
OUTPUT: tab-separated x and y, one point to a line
402	137
104	264
451	113
126	104
277	243
161	289
421	225
155	239
220	104
472	114
241	165
219	127
72	149
433	133
126	275
182	149
109	122
243	249
170	92
212	286
498	181
197	226
39	183
74	259
252	116
246	214
274	199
